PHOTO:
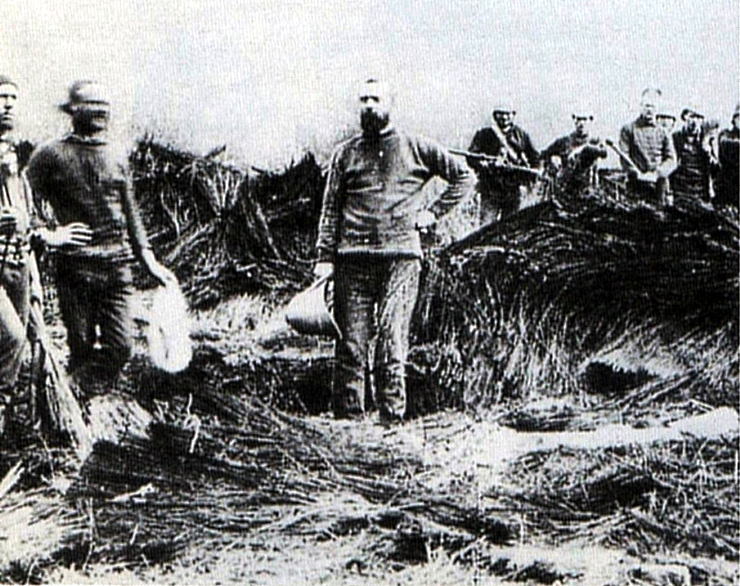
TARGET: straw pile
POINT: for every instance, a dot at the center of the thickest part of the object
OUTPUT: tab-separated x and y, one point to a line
526	303
225	230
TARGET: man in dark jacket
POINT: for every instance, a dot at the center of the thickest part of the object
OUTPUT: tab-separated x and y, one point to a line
500	189
373	210
572	157
650	150
692	175
88	186
728	179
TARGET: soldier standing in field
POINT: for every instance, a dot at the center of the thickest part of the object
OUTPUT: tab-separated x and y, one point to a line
500	190
651	157
88	186
728	178
572	157
691	179
372	213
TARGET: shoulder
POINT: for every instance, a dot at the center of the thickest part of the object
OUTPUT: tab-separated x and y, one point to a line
46	152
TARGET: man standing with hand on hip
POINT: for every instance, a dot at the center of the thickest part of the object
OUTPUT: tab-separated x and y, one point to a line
87	184
373	210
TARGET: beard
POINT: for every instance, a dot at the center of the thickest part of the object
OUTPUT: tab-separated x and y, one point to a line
373	123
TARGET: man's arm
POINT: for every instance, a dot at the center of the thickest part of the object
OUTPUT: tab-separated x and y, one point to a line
531	153
625	145
460	180
668	162
326	243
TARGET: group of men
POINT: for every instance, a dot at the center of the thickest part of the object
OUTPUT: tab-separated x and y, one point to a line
695	161
374	210
373	213
89	220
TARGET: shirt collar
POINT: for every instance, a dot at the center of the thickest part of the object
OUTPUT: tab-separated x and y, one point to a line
90	140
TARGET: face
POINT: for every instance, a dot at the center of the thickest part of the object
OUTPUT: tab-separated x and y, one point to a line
647	109
504	119
736	121
666	122
693	121
8	97
582	124
91	117
375	107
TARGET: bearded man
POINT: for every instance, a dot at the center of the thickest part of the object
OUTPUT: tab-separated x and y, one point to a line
372	213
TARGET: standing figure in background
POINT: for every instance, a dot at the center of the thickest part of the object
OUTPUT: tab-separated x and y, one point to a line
691	179
572	158
372	213
649	151
728	179
88	186
501	191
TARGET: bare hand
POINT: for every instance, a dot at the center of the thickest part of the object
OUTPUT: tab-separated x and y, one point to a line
159	272
425	221
323	270
75	234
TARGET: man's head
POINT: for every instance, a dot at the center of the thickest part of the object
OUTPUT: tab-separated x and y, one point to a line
666	120
375	103
582	120
89	106
503	115
649	104
692	118
8	98
736	117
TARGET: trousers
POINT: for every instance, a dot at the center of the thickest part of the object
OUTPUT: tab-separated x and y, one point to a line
14	310
374	298
95	300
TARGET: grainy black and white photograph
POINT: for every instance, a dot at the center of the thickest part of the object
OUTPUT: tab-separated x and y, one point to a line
370	292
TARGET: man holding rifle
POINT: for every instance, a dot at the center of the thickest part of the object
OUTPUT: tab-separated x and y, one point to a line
505	144
646	152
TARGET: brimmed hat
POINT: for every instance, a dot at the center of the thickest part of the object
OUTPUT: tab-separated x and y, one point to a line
84	91
503	106
691	109
582	113
5	80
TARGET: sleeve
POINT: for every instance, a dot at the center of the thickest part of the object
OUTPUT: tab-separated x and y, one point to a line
134	223
38	176
326	243
668	160
555	149
476	146
625	145
441	163
532	154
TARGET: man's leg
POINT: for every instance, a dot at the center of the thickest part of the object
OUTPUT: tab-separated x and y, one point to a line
394	323
13	320
77	304
354	301
116	327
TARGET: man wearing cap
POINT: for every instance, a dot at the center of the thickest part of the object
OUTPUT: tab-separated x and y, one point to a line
372	213
728	178
88	186
501	192
692	175
573	156
649	150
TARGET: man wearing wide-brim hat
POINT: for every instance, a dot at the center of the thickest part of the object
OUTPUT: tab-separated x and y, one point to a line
691	179
88	186
501	191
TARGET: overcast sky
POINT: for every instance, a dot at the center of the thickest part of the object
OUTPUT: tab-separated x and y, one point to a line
269	78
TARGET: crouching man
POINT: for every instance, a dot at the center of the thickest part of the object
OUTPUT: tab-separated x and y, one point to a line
373	211
89	190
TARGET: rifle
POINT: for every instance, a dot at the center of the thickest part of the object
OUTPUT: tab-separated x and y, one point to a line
625	157
498	163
